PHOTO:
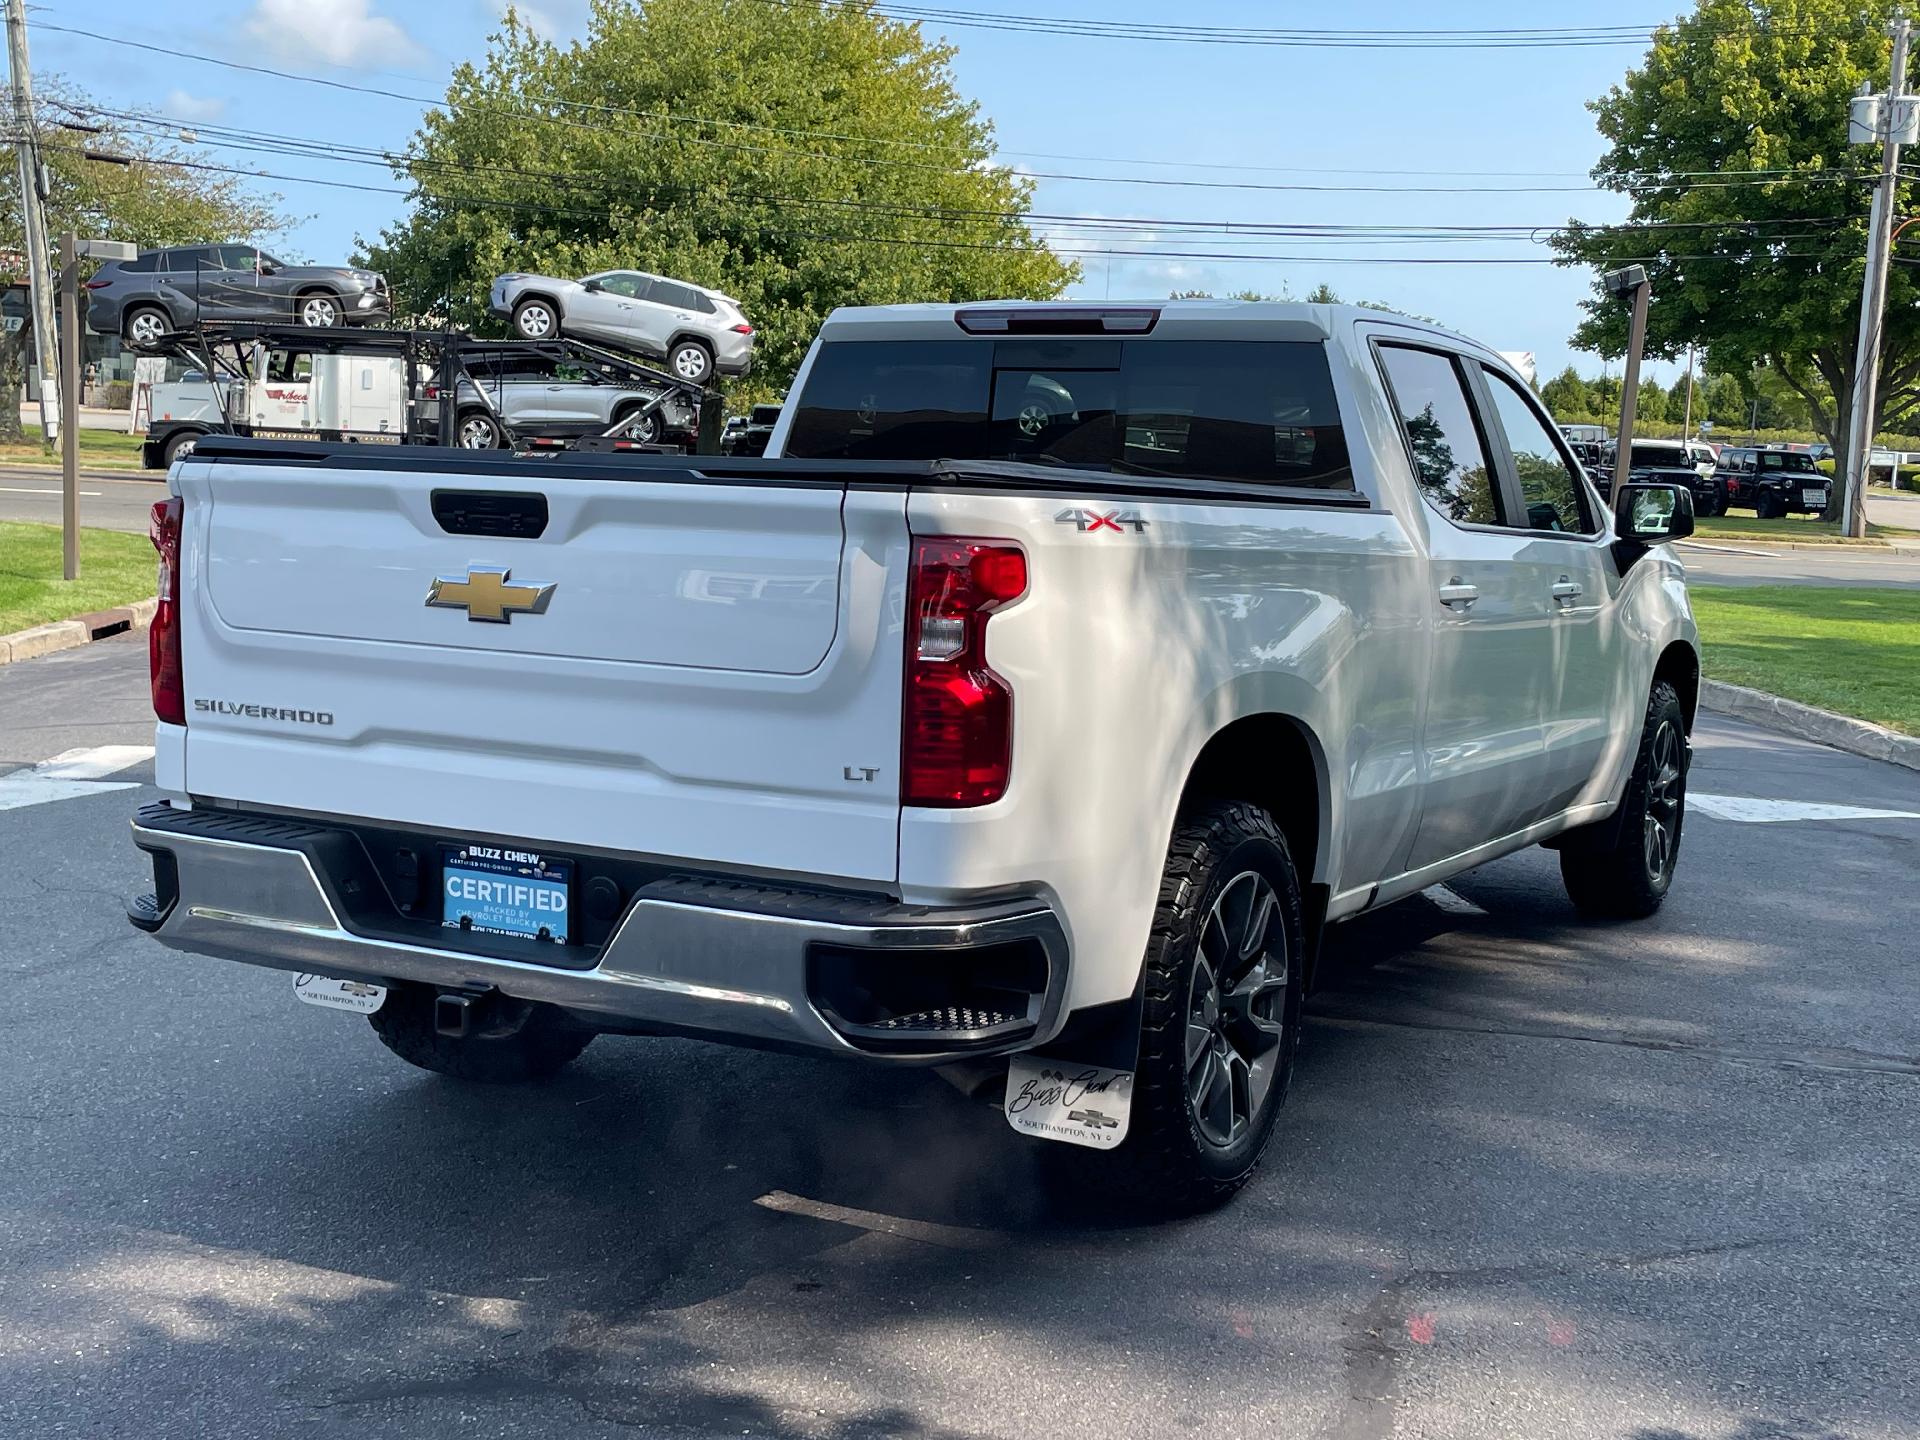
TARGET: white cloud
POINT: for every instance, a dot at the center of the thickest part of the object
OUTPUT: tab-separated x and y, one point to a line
335	32
182	106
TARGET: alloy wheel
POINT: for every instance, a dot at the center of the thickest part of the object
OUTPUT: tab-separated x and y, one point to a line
319	310
535	322
690	362
145	328
1666	793
1236	1009
477	433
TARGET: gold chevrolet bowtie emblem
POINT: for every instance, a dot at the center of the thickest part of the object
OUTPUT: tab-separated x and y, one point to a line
485	594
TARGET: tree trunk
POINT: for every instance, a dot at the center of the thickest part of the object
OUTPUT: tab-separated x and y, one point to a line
13	350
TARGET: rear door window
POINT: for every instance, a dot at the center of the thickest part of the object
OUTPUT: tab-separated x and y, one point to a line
672	292
1443	439
1250	411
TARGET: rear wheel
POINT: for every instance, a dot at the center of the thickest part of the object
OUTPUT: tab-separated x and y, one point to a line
1628	878
691	360
478	431
1222	1016
1769	506
641	428
521	1040
145	325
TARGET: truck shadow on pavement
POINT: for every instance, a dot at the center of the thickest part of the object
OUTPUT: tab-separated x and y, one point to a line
692	1239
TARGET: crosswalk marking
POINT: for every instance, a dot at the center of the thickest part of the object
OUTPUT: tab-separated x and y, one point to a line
71	774
1752	810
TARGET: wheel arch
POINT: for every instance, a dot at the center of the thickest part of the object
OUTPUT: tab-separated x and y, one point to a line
1275	761
705	342
559	310
1679	666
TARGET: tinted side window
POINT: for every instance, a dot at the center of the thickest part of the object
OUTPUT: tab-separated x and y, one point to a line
237	257
185	262
143	265
1548	486
1448	459
631	286
672	292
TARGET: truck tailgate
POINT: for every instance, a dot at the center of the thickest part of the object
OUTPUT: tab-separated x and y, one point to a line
711	661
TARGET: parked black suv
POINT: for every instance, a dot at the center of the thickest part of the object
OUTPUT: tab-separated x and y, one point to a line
1668	462
1772	483
161	290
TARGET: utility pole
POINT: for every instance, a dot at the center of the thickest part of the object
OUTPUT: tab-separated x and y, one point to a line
33	217
1893	122
1630	281
70	405
1686	426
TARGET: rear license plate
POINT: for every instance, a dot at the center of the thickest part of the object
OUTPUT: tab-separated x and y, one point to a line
1814	497
501	891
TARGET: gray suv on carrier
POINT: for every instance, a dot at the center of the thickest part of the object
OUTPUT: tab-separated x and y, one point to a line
171	289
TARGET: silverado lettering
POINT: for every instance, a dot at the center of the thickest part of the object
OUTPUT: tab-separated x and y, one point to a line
263	712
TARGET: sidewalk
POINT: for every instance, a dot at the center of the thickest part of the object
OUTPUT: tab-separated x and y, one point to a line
91	417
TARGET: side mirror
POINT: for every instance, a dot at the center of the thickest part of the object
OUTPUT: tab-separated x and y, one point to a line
1653	514
266	269
592	287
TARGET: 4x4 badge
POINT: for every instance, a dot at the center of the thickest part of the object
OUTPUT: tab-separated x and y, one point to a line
1087	521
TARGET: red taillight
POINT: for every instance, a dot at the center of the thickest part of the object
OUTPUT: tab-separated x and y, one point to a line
98	284
432	392
958	746
163	639
743	329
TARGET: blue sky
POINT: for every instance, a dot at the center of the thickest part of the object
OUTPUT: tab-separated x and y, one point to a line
1283	114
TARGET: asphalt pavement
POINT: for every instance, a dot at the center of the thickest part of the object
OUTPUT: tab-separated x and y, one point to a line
1538	1178
109	500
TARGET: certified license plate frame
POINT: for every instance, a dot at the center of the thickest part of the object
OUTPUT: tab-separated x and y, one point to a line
488	888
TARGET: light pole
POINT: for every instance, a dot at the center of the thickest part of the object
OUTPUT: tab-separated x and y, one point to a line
1630	281
1894	123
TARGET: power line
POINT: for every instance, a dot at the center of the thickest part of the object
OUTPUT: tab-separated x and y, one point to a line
1564	37
277	143
1694	181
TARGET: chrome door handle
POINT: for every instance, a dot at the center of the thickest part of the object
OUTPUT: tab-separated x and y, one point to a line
1457	592
1567	591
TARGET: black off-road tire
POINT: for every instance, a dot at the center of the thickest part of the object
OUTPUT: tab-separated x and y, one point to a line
1619	880
1166	1166
533	1042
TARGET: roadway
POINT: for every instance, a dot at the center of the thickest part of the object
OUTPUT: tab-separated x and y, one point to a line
1537	1178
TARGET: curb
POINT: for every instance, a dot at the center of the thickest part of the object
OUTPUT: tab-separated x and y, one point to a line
82	630
1772	544
1823	727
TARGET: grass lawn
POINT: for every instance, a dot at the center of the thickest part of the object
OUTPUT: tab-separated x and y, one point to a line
115	569
1853	651
104	449
1804	528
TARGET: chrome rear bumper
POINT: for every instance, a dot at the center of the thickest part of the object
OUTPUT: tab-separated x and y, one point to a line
725	960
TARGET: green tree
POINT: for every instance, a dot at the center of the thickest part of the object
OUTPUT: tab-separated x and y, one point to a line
1567	398
1652	404
796	156
160	199
1768	272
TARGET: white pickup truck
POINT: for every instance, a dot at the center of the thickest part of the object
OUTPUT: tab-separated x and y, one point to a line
1064	671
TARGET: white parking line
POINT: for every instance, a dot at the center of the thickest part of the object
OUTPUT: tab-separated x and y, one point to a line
1451	900
41	490
1751	810
71	774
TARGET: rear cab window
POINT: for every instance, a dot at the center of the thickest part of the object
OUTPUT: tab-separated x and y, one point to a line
1254	411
